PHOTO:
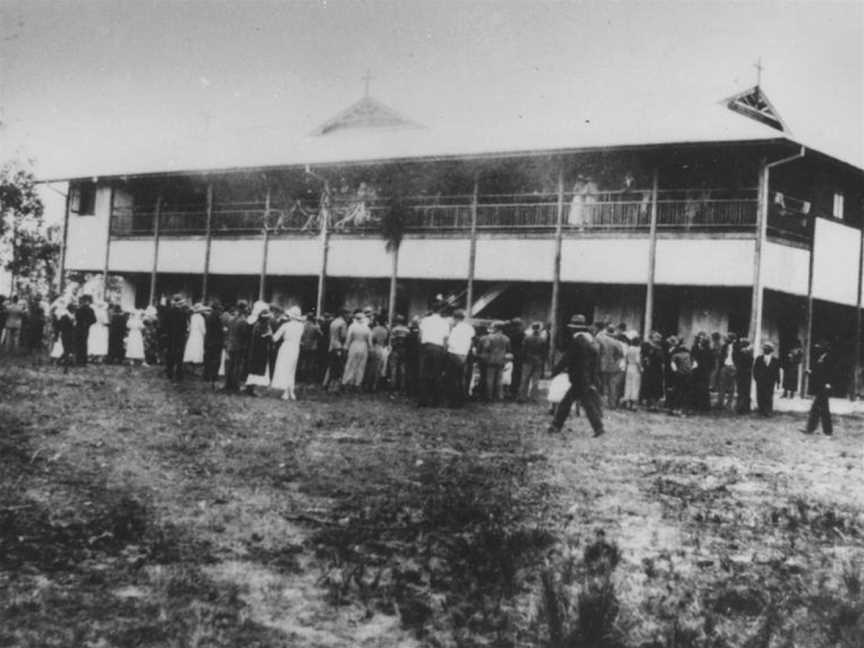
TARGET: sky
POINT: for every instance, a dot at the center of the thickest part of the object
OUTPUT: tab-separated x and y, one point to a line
96	84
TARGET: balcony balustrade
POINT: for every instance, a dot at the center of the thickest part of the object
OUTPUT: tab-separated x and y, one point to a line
684	210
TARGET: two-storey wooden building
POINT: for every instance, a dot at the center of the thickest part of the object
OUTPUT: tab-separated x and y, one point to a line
733	226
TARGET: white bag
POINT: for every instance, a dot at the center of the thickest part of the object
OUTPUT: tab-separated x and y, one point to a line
558	387
57	349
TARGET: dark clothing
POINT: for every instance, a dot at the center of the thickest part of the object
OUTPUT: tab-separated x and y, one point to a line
767	376
791	362
412	362
681	379
517	337
703	357
432	360
237	350
214	341
653	361
743	358
820	411
35	331
456	380
581	361
175	325
84	319
68	334
116	336
260	341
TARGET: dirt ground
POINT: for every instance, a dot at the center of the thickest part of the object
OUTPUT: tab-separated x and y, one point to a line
134	513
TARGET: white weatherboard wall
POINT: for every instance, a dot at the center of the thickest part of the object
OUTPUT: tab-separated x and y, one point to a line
705	262
434	258
87	235
514	259
131	255
785	268
835	264
290	256
598	260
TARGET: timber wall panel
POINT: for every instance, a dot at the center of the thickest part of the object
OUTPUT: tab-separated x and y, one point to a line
433	258
598	260
87	235
835	264
786	268
705	262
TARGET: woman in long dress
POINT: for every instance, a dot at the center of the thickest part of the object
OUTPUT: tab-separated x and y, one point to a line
194	351
632	372
358	340
285	372
260	340
97	337
135	338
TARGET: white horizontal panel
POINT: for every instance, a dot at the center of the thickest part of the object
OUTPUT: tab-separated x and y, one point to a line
610	261
515	259
785	268
434	258
835	264
705	262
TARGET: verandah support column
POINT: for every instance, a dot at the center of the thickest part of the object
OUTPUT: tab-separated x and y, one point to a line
61	279
107	245
324	216
157	217
808	333
761	234
262	284
857	366
472	247
208	241
556	267
394	274
652	258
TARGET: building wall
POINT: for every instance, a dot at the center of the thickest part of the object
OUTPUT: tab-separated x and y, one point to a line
87	235
785	268
835	262
705	262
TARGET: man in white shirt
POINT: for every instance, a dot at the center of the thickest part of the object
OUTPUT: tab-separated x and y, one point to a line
459	344
434	330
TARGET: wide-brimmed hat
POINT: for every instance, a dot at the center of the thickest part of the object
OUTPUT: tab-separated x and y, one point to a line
577	321
258	309
767	346
294	313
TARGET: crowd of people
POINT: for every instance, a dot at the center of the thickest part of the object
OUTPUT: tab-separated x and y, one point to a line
441	358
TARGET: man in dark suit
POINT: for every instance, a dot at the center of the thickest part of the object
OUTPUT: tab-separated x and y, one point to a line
581	361
743	357
176	324
820	382
766	373
84	319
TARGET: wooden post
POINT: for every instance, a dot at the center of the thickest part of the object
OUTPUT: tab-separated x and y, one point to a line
761	234
808	333
472	247
61	280
157	217
394	273
652	258
324	215
262	284
857	365
208	241
556	267
108	245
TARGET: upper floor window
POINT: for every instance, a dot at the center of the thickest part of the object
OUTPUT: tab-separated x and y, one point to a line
86	199
837	211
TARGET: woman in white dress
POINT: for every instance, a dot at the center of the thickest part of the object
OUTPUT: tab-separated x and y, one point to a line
135	338
97	336
633	371
285	372
359	341
194	351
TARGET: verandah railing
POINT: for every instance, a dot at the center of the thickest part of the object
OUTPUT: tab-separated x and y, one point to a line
698	210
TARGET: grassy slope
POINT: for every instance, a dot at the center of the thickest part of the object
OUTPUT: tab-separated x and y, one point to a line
132	514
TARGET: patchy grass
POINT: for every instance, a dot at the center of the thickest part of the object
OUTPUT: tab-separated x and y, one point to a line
133	513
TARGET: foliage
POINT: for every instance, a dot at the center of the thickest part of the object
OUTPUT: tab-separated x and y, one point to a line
26	246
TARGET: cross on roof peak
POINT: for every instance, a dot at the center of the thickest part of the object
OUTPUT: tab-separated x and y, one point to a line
759	67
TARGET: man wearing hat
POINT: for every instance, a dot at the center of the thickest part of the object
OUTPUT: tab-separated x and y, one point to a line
581	361
175	327
820	383
766	373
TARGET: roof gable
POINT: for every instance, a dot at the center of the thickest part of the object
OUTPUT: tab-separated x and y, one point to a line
366	113
754	103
